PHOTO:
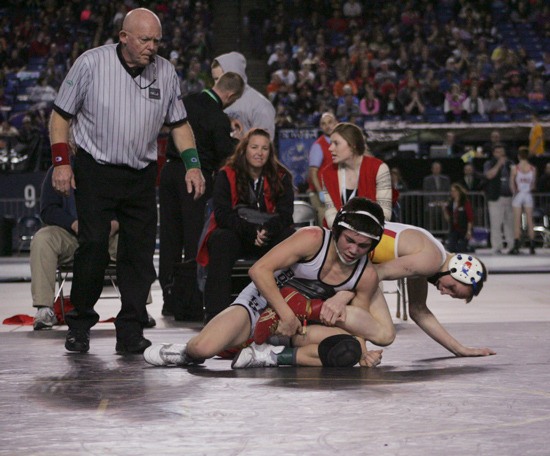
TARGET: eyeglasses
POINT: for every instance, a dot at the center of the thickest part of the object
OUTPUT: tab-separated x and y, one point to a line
154	64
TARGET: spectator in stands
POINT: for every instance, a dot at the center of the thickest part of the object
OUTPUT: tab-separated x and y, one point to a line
352	9
536	137
522	183
460	216
412	102
384	73
354	172
453	105
343	85
436	182
454	149
514	87
494	103
191	83
474	104
471	180
349	109
286	74
254	178
391	106
497	171
43	92
431	94
369	104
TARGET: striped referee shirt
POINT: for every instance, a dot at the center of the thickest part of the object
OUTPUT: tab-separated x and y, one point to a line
117	112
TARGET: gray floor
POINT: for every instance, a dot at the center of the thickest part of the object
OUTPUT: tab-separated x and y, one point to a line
420	401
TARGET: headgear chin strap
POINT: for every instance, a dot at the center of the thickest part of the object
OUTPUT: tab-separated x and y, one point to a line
464	268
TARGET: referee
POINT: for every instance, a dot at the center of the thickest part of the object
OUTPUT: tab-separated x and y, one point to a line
116	98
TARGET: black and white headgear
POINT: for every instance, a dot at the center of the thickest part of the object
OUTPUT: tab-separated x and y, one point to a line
365	218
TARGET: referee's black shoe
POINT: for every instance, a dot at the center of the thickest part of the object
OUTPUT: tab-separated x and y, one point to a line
151	322
78	340
132	346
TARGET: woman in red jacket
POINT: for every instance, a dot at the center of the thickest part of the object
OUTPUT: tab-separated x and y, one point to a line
353	172
254	178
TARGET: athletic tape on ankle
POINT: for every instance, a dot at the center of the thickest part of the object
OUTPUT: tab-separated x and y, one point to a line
60	154
190	158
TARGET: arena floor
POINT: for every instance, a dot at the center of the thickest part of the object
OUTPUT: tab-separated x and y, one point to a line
420	401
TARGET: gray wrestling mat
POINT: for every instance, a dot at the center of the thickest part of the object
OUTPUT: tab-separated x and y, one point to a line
420	401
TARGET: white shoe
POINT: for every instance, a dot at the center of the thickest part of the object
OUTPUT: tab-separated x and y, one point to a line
264	355
44	319
169	355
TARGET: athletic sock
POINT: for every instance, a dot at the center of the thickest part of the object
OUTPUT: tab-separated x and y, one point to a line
287	357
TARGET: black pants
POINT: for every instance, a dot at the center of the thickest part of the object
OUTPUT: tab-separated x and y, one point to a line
225	247
105	192
181	218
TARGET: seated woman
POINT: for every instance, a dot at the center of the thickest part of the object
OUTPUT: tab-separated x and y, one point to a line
254	178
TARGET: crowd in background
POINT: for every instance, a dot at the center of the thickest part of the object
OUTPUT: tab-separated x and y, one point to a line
421	60
451	60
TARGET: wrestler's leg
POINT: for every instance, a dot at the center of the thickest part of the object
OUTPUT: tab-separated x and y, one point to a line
230	328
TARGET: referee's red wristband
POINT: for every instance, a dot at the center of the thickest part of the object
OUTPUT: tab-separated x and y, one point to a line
61	154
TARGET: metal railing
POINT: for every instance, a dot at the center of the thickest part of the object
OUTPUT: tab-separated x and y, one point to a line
425	209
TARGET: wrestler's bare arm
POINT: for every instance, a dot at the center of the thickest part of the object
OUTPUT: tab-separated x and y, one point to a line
305	243
420	313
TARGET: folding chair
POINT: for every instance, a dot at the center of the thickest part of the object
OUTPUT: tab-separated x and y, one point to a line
402	299
62	273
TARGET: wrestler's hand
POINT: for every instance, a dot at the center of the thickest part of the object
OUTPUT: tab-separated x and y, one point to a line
289	326
334	308
195	182
371	358
471	351
63	179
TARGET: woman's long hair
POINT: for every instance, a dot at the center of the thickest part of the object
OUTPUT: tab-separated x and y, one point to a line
273	169
463	194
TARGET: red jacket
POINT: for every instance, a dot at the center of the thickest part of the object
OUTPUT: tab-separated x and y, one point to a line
367	180
202	255
327	157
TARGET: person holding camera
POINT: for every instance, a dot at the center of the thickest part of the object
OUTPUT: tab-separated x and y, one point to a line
253	203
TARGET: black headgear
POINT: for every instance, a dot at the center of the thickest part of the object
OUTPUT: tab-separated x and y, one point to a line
362	221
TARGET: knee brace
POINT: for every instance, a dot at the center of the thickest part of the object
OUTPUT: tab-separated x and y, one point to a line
341	350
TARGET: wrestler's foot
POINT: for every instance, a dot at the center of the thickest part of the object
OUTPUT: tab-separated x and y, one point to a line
169	355
257	356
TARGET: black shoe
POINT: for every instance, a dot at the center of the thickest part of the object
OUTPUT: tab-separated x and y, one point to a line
151	322
78	340
132	346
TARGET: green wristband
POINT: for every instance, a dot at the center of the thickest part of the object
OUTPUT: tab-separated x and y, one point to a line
190	159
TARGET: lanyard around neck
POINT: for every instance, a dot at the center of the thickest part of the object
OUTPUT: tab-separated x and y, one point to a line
343	189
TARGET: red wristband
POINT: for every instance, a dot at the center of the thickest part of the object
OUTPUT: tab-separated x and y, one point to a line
60	154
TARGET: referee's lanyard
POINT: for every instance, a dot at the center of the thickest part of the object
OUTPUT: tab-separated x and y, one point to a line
344	190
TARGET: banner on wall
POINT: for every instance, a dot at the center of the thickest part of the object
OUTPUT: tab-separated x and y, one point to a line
294	145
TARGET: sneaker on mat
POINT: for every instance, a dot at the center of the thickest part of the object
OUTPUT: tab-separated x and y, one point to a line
169	355
254	355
